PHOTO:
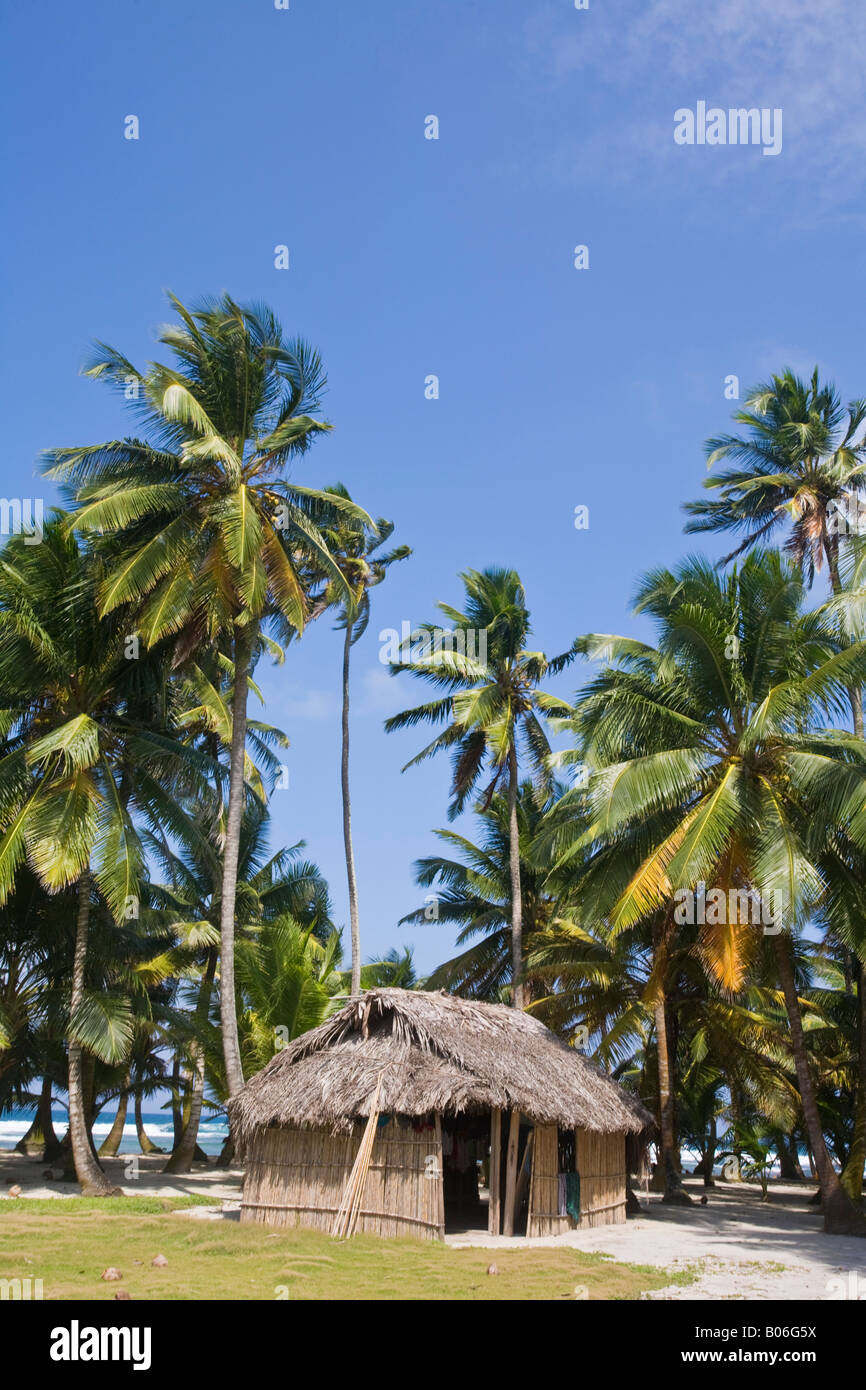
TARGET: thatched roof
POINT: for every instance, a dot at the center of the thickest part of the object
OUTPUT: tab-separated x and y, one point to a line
435	1052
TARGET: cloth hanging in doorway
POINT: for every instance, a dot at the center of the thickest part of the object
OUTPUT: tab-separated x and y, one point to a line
572	1195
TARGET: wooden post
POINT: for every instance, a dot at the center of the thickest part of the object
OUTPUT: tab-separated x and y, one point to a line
525	1171
495	1179
440	1178
511	1174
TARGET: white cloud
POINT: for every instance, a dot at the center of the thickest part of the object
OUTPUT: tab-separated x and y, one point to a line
380	693
310	704
775	358
806	56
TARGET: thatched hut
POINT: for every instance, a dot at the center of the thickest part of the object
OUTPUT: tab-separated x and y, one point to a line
436	1073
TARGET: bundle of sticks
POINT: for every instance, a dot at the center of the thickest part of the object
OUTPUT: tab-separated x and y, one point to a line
347	1217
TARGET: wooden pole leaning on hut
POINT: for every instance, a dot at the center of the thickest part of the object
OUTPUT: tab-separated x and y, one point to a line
511	1174
346	1219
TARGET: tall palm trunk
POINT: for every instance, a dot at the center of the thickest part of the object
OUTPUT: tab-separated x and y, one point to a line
228	1008
111	1143
40	1139
517	990
181	1159
855	694
840	1213
347	819
90	1107
176	1105
46	1123
852	1175
710	1154
145	1143
93	1180
673	1186
789	1158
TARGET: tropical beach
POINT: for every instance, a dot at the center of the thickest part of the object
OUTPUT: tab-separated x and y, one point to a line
737	1249
432	755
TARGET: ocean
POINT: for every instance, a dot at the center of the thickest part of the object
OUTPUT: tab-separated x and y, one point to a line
15	1124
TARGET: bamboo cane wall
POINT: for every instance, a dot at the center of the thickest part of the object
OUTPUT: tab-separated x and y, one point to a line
543	1218
601	1165
603	1177
297	1178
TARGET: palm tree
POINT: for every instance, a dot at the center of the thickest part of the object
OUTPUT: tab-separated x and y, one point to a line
354	548
268	887
843	915
35	955
211	542
845	868
639	998
473	891
803	458
74	770
800	460
394	970
290	982
493	707
714	741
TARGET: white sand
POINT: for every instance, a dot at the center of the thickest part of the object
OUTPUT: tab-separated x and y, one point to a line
743	1247
138	1175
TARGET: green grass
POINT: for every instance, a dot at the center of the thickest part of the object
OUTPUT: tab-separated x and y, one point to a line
115	1206
68	1244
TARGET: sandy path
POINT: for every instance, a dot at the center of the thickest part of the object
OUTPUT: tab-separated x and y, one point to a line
138	1174
745	1248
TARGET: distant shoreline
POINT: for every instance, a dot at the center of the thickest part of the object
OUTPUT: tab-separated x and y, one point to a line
211	1134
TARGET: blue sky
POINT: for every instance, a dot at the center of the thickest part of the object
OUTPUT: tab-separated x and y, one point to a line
409	257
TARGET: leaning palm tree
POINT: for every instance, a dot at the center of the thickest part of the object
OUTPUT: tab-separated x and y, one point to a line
73	774
210	540
493	708
355	549
735	768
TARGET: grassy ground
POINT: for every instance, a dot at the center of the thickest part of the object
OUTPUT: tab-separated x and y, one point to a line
67	1245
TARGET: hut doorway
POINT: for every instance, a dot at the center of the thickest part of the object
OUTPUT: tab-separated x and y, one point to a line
467	1168
465	1171
523	1175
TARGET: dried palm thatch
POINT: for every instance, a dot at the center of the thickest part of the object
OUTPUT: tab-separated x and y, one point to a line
435	1053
